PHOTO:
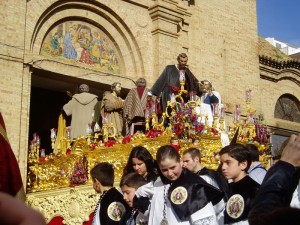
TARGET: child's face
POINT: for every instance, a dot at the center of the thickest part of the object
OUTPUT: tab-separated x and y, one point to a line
196	143
170	168
175	142
139	166
128	194
232	169
96	185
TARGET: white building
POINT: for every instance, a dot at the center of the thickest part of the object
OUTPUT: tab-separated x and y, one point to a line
284	47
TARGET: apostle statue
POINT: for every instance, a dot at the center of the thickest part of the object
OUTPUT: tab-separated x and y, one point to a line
81	107
169	81
112	108
135	104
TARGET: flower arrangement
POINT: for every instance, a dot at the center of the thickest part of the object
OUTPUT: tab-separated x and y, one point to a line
262	136
80	172
185	120
153	133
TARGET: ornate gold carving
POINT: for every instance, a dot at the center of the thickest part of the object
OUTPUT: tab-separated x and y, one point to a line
74	205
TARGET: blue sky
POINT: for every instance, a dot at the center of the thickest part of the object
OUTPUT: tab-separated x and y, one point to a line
279	19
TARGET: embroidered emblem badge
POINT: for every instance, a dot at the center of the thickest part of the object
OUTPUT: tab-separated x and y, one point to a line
179	195
235	206
115	211
141	219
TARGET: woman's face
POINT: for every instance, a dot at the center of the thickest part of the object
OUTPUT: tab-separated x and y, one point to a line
171	169
139	166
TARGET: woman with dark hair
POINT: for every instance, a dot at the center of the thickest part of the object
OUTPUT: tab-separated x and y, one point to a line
141	161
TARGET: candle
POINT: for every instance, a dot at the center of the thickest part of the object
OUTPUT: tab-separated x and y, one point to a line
192	96
38	141
216	109
237	113
89	129
68	132
147	113
34	137
53	134
105	119
173	97
222	112
182	75
42	153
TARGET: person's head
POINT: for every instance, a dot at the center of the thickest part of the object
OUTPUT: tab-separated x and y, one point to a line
116	87
191	159
84	88
174	140
141	82
103	176
205	86
196	141
254	153
235	161
182	59
129	184
140	161
169	162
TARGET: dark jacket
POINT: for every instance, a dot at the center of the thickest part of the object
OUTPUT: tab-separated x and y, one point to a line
276	191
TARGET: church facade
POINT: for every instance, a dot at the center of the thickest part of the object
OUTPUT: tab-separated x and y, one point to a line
56	45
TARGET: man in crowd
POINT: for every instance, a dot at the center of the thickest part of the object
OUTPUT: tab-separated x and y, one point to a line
256	171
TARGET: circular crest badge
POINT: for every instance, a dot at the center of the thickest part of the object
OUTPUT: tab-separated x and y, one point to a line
115	211
179	195
141	219
235	206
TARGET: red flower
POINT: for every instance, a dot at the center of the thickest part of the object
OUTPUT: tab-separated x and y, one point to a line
175	89
153	133
109	143
126	139
42	159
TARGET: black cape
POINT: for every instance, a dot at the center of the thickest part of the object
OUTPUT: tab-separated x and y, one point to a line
247	188
199	194
111	196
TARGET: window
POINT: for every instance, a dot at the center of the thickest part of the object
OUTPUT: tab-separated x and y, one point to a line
278	45
288	108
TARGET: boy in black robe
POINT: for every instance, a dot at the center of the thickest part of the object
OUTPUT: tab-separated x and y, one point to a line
235	161
111	208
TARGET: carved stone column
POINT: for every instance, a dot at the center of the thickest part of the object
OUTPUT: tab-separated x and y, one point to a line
168	18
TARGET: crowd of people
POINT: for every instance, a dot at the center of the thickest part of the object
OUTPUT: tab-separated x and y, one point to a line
175	189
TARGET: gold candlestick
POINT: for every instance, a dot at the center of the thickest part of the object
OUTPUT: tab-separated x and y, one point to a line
215	122
147	124
221	124
88	136
105	132
52	143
